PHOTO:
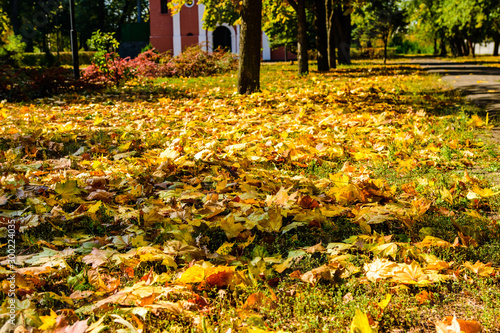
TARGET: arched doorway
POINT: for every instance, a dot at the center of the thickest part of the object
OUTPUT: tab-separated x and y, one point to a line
222	38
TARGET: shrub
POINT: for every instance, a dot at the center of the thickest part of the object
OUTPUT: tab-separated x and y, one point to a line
109	70
10	53
18	84
65	58
194	61
150	63
372	53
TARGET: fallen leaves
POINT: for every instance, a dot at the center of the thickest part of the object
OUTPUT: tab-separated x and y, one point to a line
159	206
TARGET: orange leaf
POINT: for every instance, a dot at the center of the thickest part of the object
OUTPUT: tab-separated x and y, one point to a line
219	276
465	326
423	297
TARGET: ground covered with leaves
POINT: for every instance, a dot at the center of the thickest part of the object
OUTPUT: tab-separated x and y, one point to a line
365	199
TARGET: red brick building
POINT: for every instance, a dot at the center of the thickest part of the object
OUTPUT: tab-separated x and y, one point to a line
185	29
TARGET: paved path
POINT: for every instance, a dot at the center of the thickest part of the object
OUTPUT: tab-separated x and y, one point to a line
480	83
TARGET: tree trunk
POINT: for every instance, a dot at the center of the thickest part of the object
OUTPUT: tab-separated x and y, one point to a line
14	16
332	61
321	35
495	47
250	42
435	48
385	40
343	34
442	46
465	48
471	48
457	47
303	58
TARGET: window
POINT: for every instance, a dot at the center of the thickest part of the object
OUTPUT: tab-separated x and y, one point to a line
190	3
164	6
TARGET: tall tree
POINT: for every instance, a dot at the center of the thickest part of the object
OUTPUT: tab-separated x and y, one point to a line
342	28
279	22
320	21
381	19
302	57
465	22
493	10
428	24
329	9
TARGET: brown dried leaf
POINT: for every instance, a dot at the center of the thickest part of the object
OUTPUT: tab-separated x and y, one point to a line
101	195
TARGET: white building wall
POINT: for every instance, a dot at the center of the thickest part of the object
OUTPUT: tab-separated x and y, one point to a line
484	48
177	34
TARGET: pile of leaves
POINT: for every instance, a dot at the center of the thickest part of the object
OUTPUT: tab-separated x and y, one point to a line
219	213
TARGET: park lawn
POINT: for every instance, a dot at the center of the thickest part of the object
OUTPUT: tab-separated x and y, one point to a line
362	199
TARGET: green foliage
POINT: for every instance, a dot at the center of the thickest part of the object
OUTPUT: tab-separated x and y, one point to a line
217	12
402	45
454	21
280	24
379	19
11	52
64	58
106	59
103	41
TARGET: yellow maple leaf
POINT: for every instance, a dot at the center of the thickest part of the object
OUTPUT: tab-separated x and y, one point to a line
225	248
479	268
384	302
379	269
446	196
220	276
361	324
433	241
411	274
48	321
194	274
231	227
98	120
475	121
482	192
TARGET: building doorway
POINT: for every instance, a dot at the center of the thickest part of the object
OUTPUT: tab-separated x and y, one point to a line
222	38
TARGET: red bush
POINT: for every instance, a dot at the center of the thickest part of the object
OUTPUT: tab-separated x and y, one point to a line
191	63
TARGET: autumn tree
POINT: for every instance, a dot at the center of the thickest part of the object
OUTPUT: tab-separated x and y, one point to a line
461	23
493	12
465	23
428	24
321	24
341	27
281	25
381	19
302	57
